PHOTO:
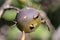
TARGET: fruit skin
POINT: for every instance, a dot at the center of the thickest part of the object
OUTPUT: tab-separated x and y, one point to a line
9	15
24	23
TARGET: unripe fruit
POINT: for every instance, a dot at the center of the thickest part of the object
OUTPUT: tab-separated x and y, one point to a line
9	15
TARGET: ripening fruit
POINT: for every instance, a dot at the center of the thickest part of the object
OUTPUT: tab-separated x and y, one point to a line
28	19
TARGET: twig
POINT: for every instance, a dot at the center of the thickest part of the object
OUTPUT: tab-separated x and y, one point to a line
46	19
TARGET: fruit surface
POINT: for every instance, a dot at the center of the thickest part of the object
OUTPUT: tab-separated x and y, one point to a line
9	15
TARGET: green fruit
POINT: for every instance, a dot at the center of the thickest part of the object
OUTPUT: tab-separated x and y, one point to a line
9	15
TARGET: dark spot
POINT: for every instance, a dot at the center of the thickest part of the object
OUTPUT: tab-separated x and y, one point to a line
31	28
41	18
48	29
36	39
36	17
44	22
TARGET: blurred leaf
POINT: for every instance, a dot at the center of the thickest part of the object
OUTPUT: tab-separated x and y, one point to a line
41	32
53	8
18	4
1	2
13	33
25	3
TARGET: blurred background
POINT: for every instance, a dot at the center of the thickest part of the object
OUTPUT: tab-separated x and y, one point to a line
9	31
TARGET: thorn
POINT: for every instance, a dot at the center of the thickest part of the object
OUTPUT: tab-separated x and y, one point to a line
23	36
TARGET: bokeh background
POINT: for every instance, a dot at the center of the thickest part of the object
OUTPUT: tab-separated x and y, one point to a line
9	31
